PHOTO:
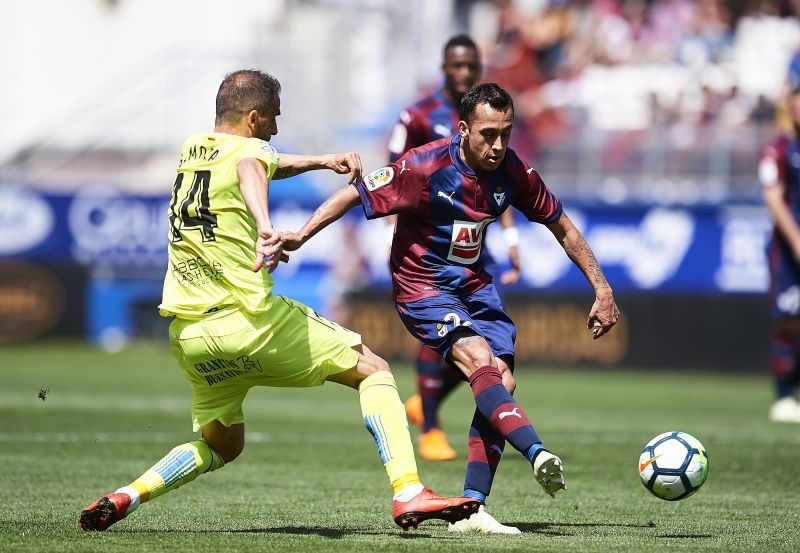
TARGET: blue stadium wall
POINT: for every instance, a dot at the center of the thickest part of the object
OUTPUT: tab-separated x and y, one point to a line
691	280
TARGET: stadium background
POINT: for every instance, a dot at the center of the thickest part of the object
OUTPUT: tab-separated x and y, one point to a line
646	118
649	132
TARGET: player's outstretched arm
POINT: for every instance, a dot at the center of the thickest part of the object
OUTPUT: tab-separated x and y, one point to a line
254	184
604	313
290	165
336	205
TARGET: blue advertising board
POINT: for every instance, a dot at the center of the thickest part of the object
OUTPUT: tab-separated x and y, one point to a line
696	250
662	261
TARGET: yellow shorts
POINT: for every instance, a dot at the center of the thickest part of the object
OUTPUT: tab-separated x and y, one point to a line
224	354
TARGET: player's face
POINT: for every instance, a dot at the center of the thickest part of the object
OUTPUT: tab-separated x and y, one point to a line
462	69
266	124
486	137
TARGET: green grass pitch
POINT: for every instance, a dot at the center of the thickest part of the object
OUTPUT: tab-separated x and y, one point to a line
310	479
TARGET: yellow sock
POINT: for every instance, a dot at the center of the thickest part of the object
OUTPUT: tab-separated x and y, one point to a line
180	466
385	418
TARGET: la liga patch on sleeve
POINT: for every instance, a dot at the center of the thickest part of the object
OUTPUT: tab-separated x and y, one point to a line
379	177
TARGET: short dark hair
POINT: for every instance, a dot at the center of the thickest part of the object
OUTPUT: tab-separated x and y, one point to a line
459	40
243	91
484	93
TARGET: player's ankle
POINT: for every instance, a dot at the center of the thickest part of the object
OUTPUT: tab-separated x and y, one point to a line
534	451
407	493
475	494
133	494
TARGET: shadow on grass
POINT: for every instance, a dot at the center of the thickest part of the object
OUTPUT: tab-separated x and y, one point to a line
685	536
330	533
554	528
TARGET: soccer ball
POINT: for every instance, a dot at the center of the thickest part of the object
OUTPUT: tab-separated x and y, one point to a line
673	465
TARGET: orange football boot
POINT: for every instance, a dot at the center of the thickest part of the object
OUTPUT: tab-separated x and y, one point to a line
433	446
105	511
414	410
427	504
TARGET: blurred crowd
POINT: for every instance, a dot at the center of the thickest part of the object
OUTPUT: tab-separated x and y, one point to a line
629	65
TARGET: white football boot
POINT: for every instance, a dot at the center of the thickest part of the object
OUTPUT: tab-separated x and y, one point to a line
549	472
482	522
786	409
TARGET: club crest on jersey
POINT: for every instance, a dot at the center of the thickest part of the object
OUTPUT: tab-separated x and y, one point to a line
499	196
379	177
465	243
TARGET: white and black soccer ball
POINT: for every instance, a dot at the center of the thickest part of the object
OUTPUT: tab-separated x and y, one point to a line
673	465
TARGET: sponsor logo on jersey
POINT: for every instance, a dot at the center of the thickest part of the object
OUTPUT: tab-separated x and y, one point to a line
465	243
379	177
448	197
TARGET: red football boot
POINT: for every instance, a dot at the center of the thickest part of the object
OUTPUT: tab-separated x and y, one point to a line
105	511
426	504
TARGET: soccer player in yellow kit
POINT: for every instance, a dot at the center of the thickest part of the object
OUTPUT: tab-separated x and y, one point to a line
230	333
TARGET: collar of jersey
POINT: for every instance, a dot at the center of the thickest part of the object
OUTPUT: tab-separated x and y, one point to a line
455	144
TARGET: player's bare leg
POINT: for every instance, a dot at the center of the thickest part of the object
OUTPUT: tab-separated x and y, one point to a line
220	445
384	417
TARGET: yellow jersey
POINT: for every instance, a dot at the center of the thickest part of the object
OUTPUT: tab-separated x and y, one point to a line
212	234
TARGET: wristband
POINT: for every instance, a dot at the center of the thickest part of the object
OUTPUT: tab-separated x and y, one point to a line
511	236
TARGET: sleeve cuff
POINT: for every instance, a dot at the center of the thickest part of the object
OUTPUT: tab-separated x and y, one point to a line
368	212
554	217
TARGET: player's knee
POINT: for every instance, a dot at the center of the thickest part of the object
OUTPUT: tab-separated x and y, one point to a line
227	442
472	351
231	451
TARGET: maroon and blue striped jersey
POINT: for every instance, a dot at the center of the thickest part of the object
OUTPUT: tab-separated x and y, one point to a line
780	166
443	208
431	118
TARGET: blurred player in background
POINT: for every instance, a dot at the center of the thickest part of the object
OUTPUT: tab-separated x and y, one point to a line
229	333
779	173
445	194
432	118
